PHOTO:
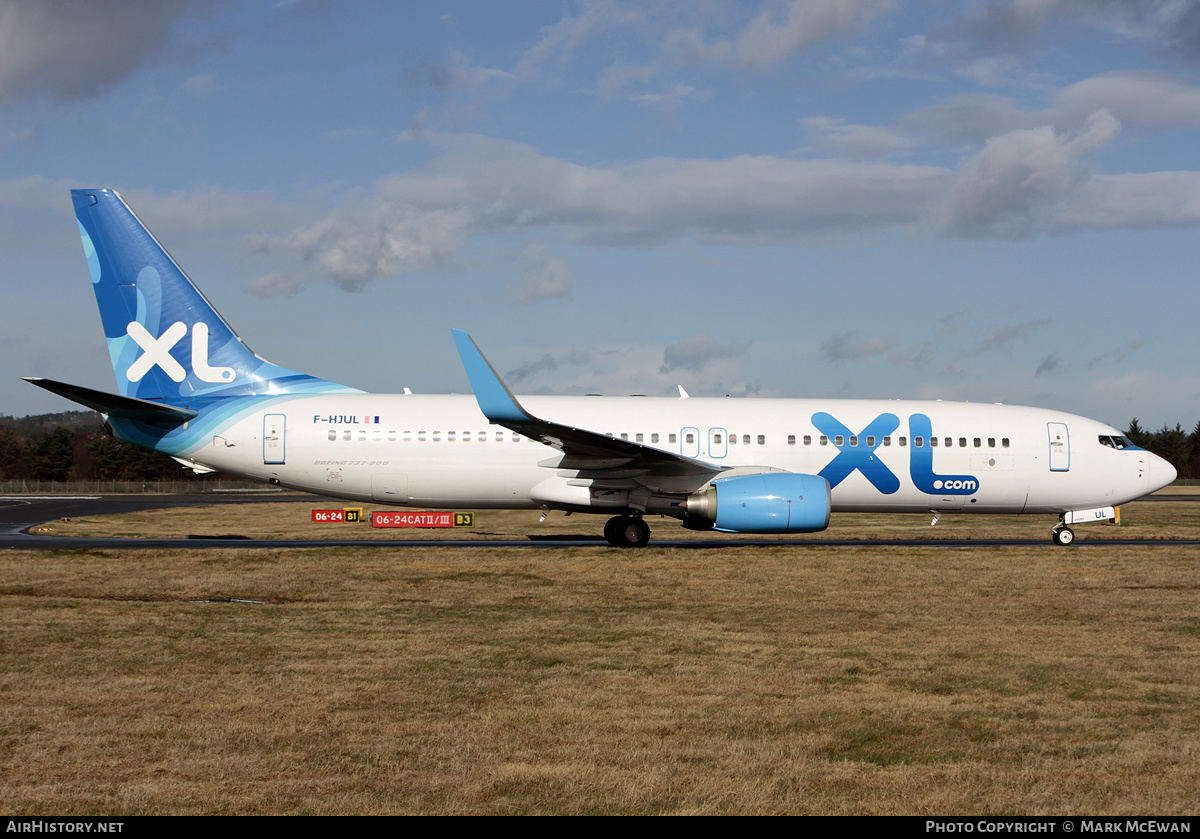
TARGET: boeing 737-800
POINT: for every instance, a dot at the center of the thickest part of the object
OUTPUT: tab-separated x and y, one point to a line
189	387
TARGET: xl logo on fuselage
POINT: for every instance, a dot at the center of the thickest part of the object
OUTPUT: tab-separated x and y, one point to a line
856	452
156	352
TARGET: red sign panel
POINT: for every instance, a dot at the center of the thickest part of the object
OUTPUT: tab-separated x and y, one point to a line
326	516
425	518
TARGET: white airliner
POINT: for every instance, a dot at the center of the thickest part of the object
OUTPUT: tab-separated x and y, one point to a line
191	388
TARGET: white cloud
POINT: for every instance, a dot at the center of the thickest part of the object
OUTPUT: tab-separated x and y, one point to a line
201	85
1021	183
73	50
776	32
417	220
562	38
1144	99
844	347
1026	182
699	351
858	142
547	277
1003	336
670	99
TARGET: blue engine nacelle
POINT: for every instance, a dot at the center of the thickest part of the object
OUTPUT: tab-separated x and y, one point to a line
773	502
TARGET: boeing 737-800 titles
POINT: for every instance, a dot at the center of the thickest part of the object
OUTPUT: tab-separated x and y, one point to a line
189	387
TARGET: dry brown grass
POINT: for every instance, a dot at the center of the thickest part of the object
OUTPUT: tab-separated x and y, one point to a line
771	679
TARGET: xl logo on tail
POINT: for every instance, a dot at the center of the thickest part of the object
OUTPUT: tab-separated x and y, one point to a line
156	352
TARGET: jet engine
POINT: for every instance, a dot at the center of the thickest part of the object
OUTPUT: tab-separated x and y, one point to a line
773	502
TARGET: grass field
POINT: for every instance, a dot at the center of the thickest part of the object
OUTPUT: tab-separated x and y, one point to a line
765	679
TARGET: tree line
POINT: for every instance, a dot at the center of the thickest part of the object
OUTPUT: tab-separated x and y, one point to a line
77	449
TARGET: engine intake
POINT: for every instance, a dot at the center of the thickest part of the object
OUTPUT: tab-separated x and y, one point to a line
773	502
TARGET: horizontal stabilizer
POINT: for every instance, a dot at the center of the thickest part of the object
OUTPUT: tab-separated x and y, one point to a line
110	404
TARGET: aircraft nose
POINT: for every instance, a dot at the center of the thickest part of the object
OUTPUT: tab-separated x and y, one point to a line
1161	473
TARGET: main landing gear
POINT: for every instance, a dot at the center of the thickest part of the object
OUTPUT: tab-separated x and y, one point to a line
627	532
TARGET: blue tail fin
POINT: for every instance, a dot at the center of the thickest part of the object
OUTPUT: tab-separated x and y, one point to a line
166	341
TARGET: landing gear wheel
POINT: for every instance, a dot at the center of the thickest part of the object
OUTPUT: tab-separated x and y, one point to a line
627	532
1063	535
610	529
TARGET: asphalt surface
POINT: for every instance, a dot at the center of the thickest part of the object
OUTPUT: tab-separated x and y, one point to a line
19	513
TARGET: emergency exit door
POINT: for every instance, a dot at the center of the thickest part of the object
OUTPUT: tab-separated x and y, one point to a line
274	443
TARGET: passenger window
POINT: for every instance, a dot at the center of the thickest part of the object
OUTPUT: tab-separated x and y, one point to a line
918	442
791	439
346	435
733	439
450	436
949	442
977	442
808	439
638	438
991	442
761	439
746	439
332	435
421	436
887	441
691	438
1004	442
854	440
933	441
654	437
672	438
499	436
624	435
962	442
903	442
839	440
824	440
717	439
871	442
516	437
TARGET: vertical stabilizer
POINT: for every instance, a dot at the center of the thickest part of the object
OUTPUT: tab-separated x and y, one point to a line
166	341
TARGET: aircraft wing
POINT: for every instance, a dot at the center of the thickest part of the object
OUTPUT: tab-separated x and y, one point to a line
599	455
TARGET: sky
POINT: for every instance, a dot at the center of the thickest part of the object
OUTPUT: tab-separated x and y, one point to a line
984	200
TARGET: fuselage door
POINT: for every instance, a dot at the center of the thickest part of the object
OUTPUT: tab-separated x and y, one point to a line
717	442
274	444
1060	448
689	442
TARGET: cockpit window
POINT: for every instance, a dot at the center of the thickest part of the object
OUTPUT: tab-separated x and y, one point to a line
1115	441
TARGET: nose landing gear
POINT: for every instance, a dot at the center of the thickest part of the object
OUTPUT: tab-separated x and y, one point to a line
1062	535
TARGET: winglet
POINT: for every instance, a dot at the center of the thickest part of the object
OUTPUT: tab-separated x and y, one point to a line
494	398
